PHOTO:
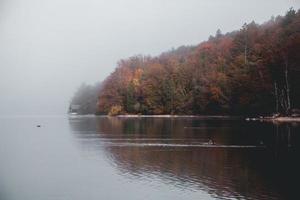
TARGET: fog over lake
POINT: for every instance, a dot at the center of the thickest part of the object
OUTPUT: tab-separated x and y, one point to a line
88	157
200	106
48	48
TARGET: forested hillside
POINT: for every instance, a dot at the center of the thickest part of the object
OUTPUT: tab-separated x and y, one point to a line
255	70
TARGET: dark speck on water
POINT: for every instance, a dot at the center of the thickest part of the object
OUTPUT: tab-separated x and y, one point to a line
147	158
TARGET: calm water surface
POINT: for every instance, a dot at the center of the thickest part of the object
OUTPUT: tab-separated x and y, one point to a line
87	158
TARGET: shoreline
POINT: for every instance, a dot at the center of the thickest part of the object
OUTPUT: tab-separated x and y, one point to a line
230	117
287	119
275	119
161	116
177	116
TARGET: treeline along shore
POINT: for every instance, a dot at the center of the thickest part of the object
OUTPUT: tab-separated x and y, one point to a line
252	71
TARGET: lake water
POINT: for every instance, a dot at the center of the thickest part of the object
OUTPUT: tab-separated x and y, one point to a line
89	158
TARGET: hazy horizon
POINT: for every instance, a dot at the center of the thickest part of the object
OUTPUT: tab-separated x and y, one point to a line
48	48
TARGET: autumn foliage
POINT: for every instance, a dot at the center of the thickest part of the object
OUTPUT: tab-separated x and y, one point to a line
253	70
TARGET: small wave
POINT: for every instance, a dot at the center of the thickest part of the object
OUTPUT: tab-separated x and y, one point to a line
136	139
127	144
203	127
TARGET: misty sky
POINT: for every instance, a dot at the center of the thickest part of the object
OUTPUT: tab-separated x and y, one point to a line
49	47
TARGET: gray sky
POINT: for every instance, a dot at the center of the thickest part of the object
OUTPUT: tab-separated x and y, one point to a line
49	47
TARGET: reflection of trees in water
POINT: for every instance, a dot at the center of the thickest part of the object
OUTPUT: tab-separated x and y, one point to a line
250	173
220	132
218	171
285	141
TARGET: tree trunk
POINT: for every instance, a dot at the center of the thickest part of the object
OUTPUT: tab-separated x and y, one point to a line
287	88
276	97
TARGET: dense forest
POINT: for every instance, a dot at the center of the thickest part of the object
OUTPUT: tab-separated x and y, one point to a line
255	70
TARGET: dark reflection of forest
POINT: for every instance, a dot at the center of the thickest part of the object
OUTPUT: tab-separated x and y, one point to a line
265	170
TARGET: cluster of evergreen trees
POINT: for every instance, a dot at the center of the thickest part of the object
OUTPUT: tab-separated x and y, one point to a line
250	71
